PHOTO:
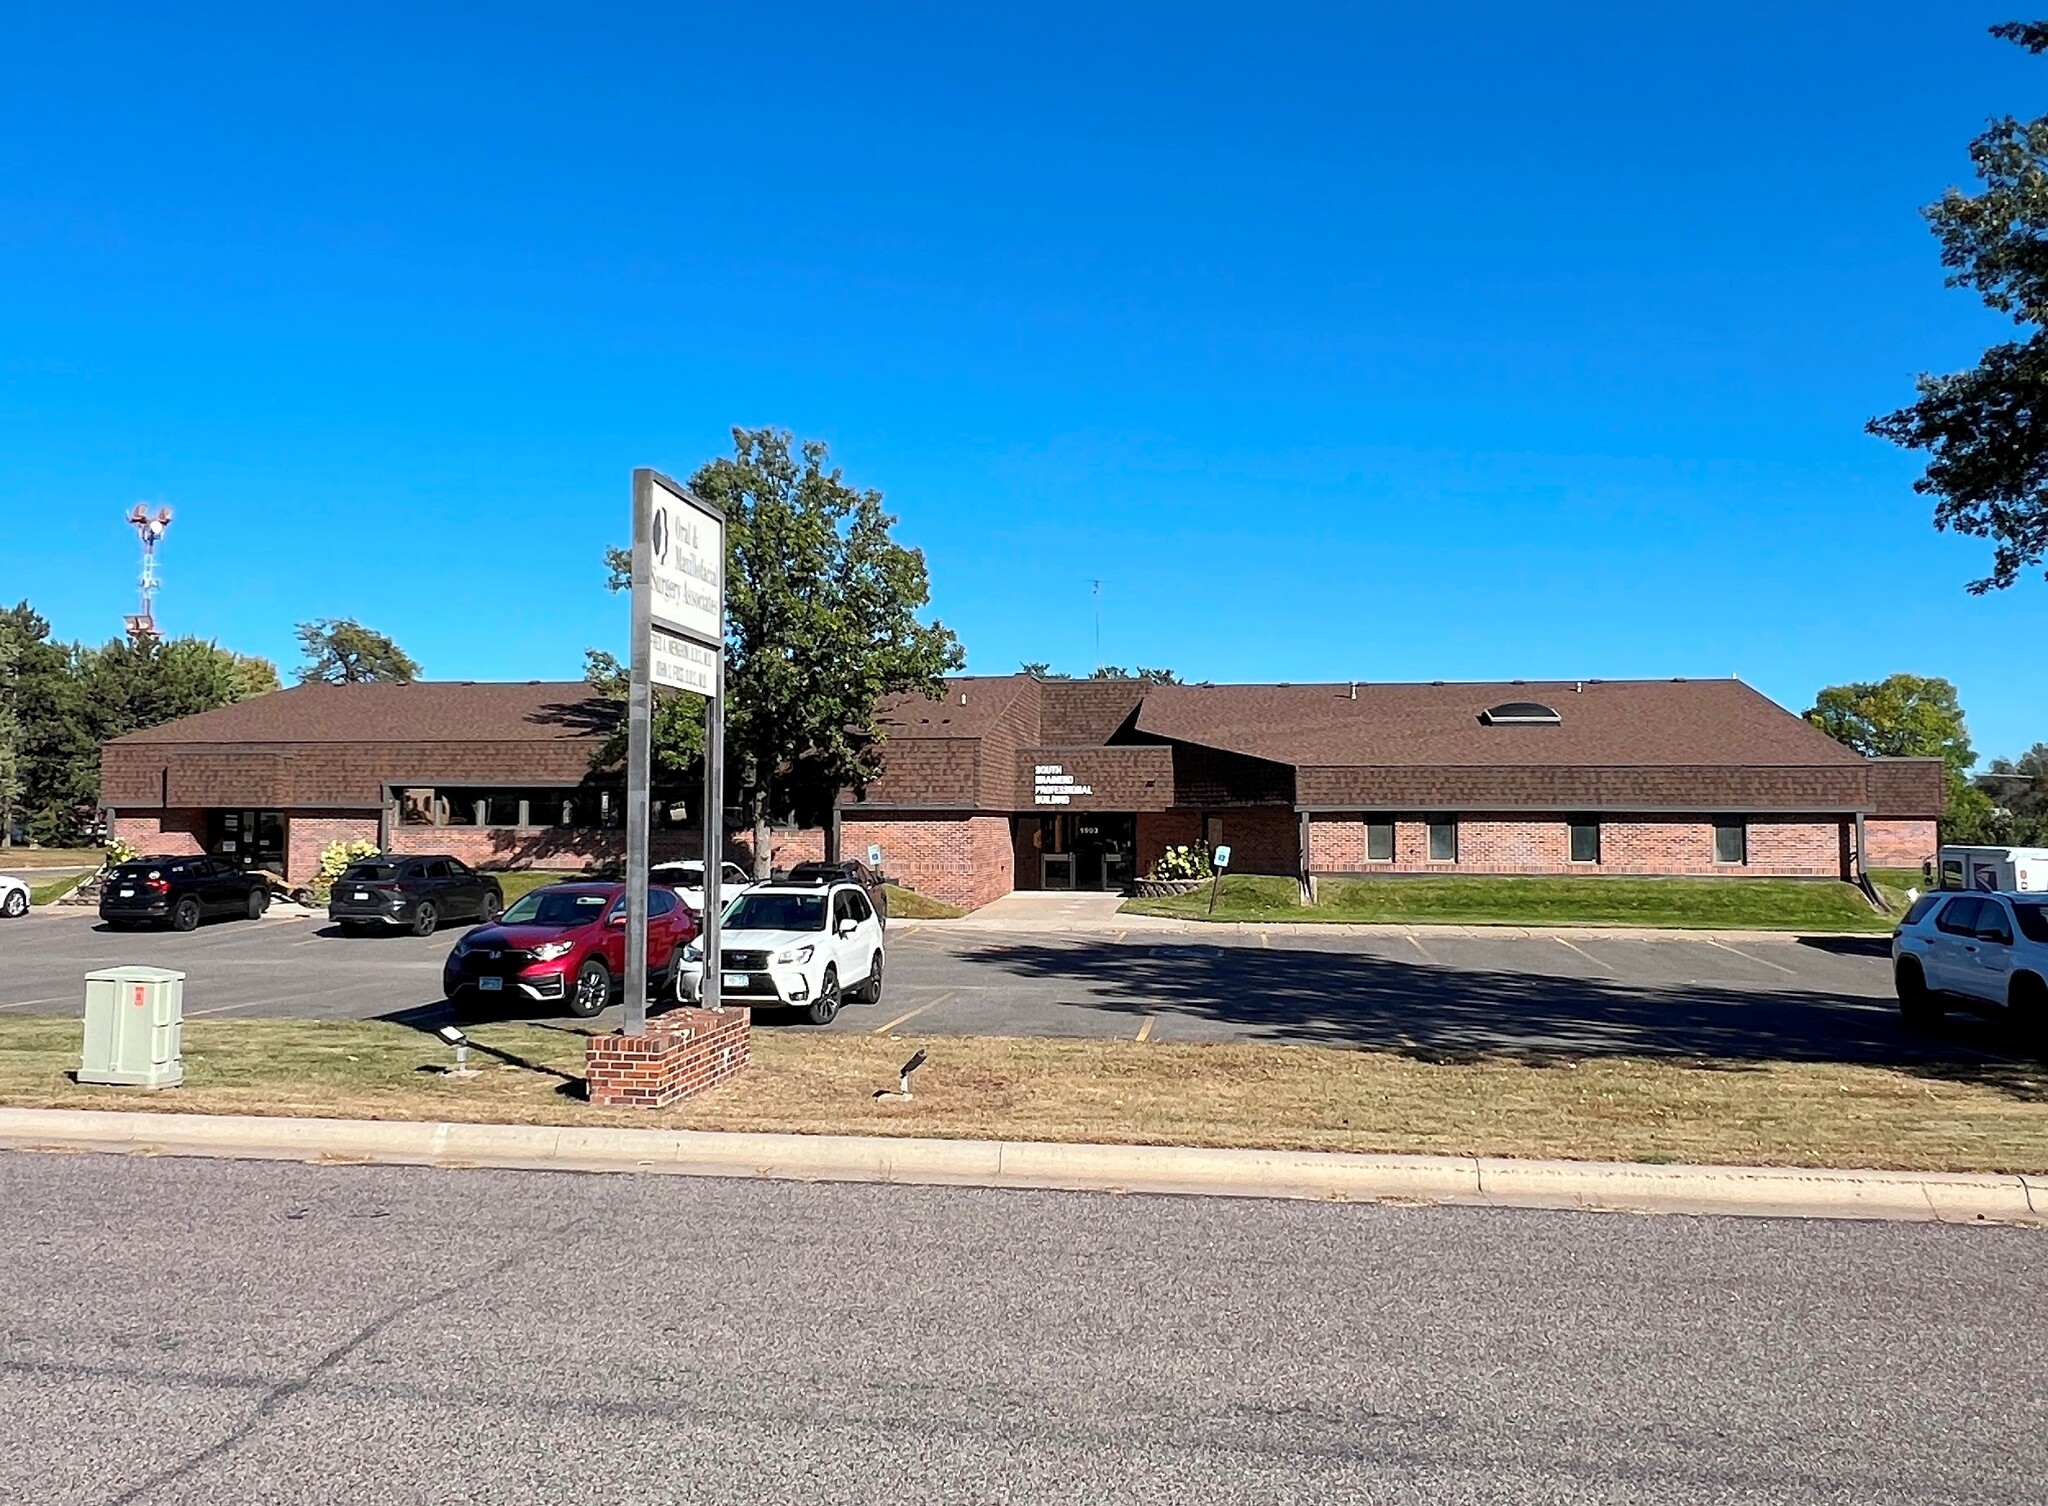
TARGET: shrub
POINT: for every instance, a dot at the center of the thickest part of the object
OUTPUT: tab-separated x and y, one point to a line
1187	861
335	858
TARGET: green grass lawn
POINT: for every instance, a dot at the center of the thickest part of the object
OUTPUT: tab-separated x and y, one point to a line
1732	904
908	904
518	881
55	889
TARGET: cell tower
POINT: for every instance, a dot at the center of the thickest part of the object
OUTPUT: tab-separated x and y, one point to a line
150	529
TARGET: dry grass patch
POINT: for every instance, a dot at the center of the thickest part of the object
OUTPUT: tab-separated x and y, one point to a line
1992	1118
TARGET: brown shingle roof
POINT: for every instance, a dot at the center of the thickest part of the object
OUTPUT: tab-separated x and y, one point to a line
426	712
1602	723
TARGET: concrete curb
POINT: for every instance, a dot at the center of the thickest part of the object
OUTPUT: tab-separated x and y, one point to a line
1745	1191
1133	927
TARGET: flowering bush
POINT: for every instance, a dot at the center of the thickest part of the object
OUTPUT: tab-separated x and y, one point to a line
335	858
1187	861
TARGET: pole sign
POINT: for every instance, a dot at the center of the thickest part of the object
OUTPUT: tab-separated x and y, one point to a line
678	640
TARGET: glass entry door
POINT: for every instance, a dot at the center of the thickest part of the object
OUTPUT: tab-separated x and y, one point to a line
247	838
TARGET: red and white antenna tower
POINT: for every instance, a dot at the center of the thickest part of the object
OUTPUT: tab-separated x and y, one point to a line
150	529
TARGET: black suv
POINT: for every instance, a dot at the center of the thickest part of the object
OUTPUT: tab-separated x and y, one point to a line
413	894
846	870
180	892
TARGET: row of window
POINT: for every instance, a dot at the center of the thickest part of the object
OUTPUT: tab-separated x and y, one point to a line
1731	841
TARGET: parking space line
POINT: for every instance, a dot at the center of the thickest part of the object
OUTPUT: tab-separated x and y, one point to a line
1764	961
911	1015
1145	1030
1583	953
1422	949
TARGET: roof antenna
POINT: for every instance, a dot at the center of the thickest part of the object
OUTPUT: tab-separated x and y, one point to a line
1098	623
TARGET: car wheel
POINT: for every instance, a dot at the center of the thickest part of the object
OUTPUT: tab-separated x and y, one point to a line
424	920
592	990
825	1008
1919	1009
185	915
871	991
2028	1006
15	905
259	901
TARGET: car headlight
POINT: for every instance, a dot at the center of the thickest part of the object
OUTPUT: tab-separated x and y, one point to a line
549	951
797	954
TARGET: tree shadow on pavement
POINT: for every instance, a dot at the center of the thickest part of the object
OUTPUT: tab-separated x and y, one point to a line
1437	1012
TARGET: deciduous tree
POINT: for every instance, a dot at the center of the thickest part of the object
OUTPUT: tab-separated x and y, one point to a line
341	651
821	623
1985	430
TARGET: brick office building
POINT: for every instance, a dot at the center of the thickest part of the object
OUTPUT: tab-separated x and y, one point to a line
1011	782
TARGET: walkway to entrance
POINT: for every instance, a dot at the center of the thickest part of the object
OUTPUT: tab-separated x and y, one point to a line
1047	910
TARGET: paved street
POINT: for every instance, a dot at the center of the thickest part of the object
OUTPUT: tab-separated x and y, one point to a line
1821	999
199	1332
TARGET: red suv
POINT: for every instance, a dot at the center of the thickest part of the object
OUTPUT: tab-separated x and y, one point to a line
566	944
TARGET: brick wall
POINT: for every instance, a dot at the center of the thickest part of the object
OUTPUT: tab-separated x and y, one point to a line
307	832
684	1052
167	834
1779	846
1900	844
963	860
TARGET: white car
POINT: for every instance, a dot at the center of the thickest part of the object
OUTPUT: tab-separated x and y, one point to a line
687	879
1980	952
794	946
13	897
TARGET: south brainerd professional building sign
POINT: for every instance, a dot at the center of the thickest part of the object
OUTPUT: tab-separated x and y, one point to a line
1053	785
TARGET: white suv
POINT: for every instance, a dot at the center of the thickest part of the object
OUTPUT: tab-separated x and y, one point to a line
795	945
1974	950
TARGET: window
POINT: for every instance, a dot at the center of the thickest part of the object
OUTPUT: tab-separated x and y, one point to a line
1443	841
1379	841
1731	842
1585	840
1959	917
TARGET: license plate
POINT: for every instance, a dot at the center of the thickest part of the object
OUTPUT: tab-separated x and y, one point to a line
362	894
490	985
127	894
732	980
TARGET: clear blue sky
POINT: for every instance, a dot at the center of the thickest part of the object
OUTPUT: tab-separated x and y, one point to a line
1338	340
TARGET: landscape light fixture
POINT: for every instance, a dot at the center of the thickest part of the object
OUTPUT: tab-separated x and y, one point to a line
460	1042
902	1091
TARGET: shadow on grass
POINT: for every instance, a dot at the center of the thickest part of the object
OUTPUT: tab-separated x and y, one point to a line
1447	1014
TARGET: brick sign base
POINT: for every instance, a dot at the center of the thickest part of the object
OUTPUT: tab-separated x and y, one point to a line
684	1052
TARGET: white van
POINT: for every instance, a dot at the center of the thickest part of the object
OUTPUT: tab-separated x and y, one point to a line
2009	870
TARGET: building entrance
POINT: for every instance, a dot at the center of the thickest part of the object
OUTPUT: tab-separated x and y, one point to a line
248	839
1086	850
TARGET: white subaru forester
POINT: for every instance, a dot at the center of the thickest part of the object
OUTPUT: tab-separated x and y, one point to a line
794	945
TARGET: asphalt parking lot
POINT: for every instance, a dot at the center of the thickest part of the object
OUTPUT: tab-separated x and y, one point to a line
1423	993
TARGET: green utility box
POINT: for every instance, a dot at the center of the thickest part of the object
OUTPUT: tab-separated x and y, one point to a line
134	1019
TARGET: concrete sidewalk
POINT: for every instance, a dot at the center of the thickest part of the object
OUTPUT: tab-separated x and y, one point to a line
1744	1191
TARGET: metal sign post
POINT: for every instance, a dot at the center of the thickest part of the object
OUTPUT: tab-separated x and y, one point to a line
678	641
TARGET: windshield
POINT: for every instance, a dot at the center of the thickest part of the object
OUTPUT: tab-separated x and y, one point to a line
2033	920
555	907
364	873
776	912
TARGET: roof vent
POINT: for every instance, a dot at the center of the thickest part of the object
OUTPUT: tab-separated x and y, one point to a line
1520	714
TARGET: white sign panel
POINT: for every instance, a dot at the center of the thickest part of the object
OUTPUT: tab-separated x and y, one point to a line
686	560
679	663
1051	784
